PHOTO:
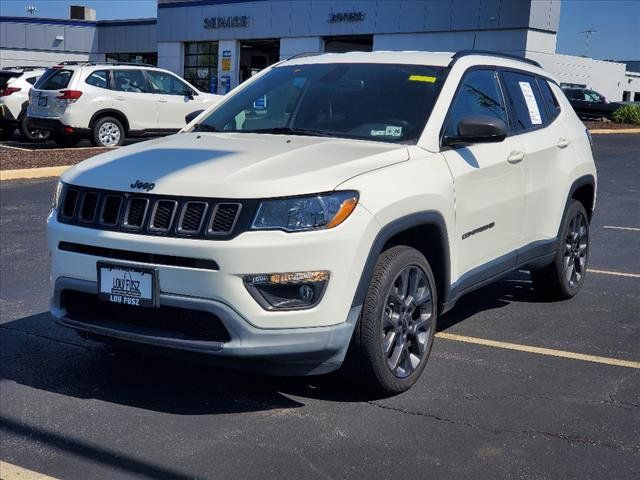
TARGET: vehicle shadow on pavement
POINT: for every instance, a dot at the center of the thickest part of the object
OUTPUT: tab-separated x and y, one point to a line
517	287
39	354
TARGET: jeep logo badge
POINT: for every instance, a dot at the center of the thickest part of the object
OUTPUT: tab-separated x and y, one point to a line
140	185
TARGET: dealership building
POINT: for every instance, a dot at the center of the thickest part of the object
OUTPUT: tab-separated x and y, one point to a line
217	44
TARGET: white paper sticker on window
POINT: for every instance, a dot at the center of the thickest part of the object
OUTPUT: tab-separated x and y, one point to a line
532	105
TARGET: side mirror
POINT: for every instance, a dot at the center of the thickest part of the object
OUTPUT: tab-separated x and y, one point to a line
188	93
189	117
478	129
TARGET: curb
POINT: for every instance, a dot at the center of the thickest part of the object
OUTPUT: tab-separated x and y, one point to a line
610	131
24	173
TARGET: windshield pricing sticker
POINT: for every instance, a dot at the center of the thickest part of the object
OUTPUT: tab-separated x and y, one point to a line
532	105
390	131
422	78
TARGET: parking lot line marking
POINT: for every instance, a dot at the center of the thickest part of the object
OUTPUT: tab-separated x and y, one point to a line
25	173
619	274
11	147
539	350
613	227
13	472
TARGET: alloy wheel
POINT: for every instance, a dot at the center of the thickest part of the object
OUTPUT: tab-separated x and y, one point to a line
407	321
109	134
576	250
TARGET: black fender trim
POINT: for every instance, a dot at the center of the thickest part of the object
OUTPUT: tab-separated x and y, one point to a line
579	182
431	218
109	111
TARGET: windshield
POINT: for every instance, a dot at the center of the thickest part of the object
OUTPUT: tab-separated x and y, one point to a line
382	102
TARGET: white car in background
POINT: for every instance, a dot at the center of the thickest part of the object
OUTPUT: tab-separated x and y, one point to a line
107	102
15	83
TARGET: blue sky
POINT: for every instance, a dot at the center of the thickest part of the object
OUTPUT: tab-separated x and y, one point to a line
617	21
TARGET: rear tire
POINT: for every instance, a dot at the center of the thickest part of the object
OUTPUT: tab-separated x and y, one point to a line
393	337
107	132
67	141
563	278
33	134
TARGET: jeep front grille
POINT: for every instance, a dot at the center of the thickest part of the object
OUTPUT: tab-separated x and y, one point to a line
154	214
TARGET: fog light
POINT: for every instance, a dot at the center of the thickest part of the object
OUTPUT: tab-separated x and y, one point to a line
287	291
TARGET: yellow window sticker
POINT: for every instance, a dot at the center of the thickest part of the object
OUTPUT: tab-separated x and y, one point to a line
422	78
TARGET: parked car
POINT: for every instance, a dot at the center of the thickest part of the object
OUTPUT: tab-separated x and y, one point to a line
327	212
15	83
590	104
108	102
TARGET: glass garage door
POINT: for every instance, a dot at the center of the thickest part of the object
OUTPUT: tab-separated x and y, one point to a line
201	65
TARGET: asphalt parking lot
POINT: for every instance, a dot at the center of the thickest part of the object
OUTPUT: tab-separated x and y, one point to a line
74	409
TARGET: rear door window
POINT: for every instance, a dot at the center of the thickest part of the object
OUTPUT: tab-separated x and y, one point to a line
132	81
54	79
99	78
525	102
479	94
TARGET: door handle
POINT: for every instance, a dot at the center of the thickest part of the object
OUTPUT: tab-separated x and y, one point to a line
515	157
162	100
120	99
563	142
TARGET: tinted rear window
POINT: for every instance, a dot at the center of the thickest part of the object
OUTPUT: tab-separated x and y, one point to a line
54	79
5	76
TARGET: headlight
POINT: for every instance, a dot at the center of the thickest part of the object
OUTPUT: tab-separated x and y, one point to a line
298	214
55	200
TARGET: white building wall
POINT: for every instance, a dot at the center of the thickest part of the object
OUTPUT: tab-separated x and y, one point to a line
631	85
9	57
296	45
608	78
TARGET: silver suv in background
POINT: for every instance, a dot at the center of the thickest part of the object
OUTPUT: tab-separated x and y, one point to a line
107	102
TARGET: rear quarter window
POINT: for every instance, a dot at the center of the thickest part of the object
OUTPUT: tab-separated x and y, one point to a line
32	80
54	79
550	100
99	78
526	105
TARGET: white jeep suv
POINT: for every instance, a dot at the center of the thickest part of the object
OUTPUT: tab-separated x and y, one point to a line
327	212
107	102
15	83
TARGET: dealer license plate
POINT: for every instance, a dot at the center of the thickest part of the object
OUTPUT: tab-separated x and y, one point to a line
127	285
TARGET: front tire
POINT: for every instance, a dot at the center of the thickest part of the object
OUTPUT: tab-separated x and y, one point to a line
393	338
563	278
107	132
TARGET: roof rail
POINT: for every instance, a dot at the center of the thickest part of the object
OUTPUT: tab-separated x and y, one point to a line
107	63
26	68
491	53
304	54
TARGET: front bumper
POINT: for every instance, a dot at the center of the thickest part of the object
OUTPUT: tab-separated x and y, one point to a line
292	351
309	341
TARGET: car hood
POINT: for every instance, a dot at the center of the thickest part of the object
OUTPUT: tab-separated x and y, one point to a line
235	165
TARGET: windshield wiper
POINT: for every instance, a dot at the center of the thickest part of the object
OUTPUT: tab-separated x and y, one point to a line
203	127
291	131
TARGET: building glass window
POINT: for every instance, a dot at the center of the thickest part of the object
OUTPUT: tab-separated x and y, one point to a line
149	58
201	65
